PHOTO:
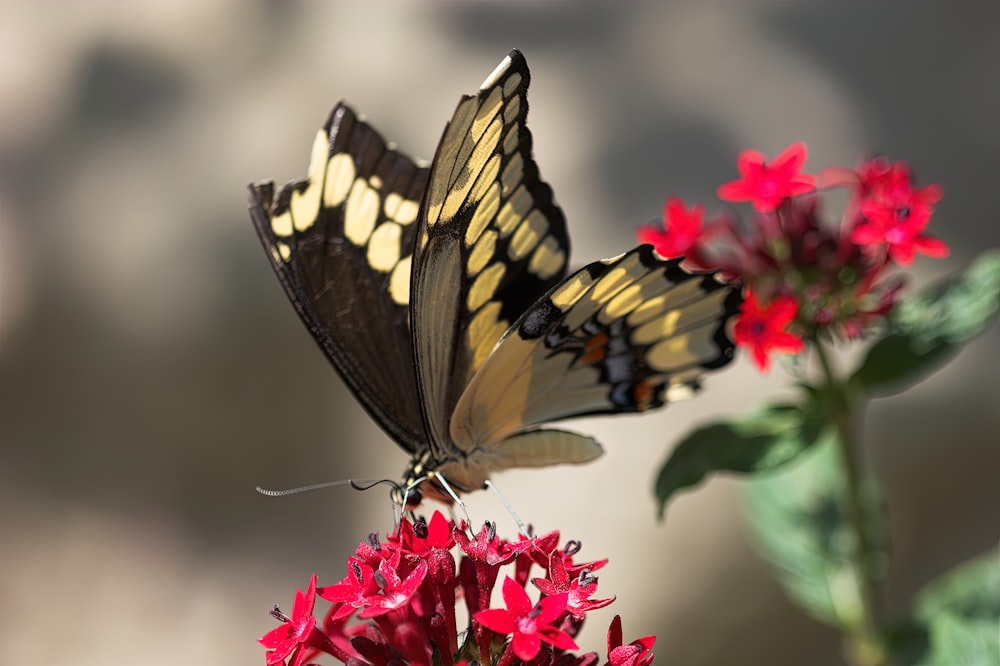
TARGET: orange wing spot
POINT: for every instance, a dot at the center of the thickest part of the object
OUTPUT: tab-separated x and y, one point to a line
598	340
643	393
594	356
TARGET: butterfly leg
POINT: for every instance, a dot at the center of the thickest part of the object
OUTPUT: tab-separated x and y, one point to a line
453	495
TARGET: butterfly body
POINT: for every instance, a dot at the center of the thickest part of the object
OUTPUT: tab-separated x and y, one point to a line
440	294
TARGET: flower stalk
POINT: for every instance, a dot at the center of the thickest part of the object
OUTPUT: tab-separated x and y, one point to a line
864	637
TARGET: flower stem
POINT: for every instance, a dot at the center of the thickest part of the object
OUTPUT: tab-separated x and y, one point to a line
865	644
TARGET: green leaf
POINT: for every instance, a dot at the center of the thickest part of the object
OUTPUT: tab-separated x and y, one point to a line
956	309
799	522
957	641
895	363
956	619
971	590
927	328
765	441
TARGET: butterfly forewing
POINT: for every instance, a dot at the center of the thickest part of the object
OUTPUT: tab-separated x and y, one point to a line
492	242
341	242
622	335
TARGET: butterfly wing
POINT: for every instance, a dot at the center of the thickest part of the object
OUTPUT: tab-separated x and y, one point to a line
492	242
622	335
341	242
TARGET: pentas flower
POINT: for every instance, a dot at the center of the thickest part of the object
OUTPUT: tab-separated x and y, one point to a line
765	183
397	604
530	624
682	229
763	328
808	278
896	213
637	653
297	638
578	590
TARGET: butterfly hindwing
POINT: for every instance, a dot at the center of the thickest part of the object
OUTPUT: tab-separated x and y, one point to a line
622	335
341	242
492	241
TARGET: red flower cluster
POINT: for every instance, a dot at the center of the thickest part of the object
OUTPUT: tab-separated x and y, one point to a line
806	278
402	594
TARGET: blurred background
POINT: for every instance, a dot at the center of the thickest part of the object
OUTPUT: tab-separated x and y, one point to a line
152	371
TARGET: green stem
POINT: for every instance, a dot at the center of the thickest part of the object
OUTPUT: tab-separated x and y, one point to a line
865	645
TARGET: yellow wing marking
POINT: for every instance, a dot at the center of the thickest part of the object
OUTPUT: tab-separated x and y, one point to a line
513	211
384	246
339	177
484	286
548	258
482	252
459	193
510	140
304	205
486	115
281	225
403	211
486	180
527	236
659	315
483	332
512	82
571	290
512	174
483	215
284	251
361	212
399	281
512	109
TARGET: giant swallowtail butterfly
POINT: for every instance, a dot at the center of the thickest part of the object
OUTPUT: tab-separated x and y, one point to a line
440	294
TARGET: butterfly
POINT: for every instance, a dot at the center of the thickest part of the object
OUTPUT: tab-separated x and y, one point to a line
440	294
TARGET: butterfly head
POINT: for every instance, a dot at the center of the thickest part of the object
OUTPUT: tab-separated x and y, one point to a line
423	479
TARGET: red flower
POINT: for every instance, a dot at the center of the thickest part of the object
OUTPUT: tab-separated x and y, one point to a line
289	639
435	534
486	554
896	213
353	591
681	229
579	589
763	328
396	591
407	589
637	653
766	184
530	625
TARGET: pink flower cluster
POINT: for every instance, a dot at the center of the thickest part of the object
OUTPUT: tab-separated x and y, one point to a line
806	278
398	600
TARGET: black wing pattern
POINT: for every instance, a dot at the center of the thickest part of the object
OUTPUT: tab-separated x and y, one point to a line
492	242
341	242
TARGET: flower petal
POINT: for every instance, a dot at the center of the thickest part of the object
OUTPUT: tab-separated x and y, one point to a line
516	598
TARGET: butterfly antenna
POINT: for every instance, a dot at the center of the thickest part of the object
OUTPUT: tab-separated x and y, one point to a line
510	509
368	484
452	494
301	489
